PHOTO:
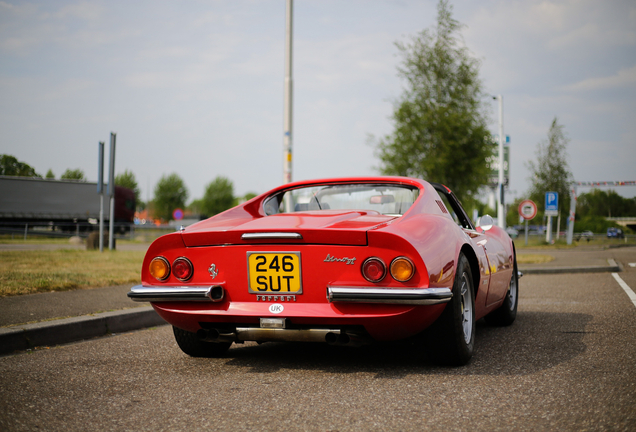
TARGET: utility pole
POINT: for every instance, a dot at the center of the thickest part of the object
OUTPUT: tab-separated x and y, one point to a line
501	214
287	122
287	115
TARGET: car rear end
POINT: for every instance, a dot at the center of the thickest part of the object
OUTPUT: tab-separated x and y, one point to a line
336	276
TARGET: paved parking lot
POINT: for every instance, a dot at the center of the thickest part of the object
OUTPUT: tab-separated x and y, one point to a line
566	364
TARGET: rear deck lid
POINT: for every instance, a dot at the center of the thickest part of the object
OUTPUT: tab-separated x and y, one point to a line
333	227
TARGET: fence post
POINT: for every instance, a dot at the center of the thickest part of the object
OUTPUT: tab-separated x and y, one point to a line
26	229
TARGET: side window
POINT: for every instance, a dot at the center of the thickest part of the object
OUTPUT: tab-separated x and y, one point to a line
450	209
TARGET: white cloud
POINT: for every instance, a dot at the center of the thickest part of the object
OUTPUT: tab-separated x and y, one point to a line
88	11
624	78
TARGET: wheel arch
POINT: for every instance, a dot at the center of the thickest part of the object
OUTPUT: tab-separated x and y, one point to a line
470	255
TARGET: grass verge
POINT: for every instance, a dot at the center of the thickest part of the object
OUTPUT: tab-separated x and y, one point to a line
533	258
29	272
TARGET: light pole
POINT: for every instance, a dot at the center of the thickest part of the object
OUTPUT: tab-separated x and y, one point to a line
501	216
287	121
287	115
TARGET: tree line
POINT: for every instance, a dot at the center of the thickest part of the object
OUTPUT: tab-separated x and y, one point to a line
10	166
171	193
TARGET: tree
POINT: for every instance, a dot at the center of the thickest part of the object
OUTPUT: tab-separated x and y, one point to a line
128	180
240	200
76	174
605	204
10	166
218	197
170	194
50	175
196	207
551	172
440	121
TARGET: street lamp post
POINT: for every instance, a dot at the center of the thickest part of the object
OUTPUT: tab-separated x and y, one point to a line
501	216
287	121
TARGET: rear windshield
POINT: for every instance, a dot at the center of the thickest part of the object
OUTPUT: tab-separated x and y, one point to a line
386	199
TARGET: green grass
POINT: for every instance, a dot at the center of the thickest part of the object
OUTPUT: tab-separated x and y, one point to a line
533	258
29	272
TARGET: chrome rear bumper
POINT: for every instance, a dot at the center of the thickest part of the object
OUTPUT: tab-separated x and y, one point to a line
216	293
414	296
210	293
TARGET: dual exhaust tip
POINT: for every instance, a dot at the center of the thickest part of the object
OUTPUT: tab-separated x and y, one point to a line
347	339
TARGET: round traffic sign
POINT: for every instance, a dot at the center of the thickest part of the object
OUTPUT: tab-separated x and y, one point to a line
527	209
177	214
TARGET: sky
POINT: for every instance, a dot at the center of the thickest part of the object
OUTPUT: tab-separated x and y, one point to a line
196	87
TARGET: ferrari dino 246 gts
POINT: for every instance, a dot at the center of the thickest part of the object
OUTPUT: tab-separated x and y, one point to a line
344	261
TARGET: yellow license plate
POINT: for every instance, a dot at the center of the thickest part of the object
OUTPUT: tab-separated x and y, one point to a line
274	272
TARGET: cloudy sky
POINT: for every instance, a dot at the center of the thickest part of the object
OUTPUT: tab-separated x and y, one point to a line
196	87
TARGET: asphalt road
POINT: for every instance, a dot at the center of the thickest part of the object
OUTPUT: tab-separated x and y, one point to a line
568	363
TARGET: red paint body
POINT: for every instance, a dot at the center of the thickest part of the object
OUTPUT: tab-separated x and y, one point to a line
425	234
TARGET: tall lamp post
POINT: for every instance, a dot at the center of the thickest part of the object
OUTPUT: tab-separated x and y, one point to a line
501	214
287	121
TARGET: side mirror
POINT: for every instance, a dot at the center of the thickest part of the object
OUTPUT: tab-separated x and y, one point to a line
485	222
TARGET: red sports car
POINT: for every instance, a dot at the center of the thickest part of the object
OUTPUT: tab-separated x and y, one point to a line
344	261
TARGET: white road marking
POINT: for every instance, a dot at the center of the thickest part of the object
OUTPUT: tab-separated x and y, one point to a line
632	264
625	287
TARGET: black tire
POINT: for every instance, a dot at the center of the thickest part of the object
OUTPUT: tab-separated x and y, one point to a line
506	314
451	338
194	347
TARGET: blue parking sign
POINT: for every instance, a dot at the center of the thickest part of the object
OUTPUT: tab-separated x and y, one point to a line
551	203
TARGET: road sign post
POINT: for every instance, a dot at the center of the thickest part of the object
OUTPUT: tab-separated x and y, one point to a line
100	191
111	192
551	209
527	210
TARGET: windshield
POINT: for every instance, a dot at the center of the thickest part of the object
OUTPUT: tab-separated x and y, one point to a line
386	199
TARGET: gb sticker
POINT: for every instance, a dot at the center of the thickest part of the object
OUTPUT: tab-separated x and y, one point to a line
276	308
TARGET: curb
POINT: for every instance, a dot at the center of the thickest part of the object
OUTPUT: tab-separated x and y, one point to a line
611	268
617	246
22	337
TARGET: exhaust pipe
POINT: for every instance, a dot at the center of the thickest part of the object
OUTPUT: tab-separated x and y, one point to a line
215	335
336	339
216	293
346	339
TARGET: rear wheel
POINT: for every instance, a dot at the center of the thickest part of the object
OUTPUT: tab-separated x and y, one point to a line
506	314
194	347
452	337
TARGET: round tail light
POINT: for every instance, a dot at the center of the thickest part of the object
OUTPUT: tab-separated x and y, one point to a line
160	268
402	269
373	269
182	269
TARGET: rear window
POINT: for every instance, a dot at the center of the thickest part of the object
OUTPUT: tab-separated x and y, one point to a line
385	199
